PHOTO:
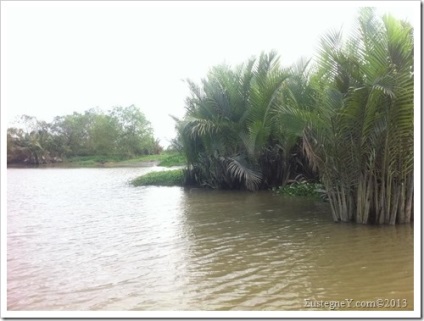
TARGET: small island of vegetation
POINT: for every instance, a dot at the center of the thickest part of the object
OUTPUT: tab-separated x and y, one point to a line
164	178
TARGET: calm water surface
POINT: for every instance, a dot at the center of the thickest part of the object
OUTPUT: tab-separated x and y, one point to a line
84	239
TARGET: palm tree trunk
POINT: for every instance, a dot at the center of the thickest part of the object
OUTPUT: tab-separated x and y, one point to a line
395	203
388	200
368	200
409	198
401	217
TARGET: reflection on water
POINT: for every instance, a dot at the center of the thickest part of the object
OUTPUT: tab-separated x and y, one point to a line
83	239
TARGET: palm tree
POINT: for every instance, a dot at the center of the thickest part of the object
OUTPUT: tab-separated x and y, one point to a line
231	135
209	132
360	133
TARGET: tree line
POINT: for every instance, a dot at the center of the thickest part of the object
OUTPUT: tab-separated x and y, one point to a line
345	119
120	133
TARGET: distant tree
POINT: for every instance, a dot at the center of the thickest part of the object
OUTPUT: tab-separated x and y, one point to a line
104	132
135	134
28	144
122	131
75	130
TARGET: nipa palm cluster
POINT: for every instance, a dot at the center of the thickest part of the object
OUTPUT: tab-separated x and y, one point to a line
344	118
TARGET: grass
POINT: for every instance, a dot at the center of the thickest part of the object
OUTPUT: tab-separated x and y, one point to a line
164	178
92	160
166	159
174	159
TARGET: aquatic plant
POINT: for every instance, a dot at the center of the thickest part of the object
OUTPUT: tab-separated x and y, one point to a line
315	190
163	178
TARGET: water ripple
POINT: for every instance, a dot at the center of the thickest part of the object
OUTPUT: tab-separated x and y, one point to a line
83	239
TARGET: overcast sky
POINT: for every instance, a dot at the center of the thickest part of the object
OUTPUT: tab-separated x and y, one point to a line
58	57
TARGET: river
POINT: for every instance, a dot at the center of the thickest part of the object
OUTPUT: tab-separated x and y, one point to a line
84	239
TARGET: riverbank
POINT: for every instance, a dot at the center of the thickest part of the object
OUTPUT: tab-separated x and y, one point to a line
166	159
175	177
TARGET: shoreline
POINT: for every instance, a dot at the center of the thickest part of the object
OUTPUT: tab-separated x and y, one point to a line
79	165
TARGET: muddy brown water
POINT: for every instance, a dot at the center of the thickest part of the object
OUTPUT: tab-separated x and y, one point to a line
84	239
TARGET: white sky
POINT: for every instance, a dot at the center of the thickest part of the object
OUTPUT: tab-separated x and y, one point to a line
58	57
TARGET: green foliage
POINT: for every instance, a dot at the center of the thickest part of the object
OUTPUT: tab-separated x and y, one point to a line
135	135
349	118
232	136
165	159
359	134
314	190
123	132
174	159
147	158
94	160
165	178
34	146
351	114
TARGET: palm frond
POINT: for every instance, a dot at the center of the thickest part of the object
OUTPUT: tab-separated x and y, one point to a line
241	171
